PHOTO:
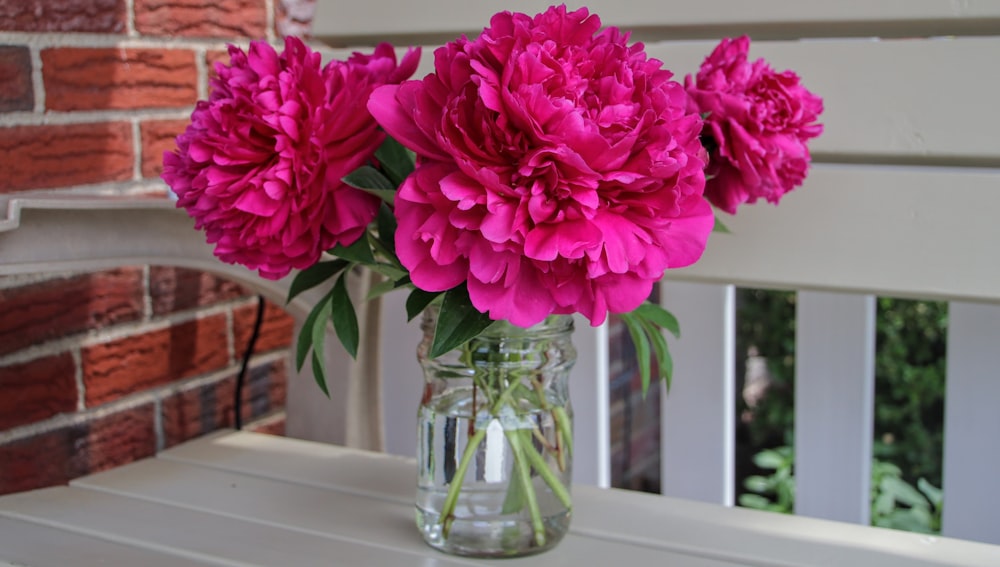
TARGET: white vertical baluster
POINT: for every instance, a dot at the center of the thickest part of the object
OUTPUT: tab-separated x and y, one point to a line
834	405
972	423
589	392
698	413
402	377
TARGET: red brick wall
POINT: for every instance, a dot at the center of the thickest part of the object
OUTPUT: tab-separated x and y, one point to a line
99	369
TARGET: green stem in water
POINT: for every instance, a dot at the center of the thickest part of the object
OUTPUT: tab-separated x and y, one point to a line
561	418
563	425
548	476
521	462
451	500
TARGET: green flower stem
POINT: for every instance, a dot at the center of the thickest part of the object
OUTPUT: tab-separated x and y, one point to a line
505	395
526	457
548	476
451	500
563	425
564	437
521	462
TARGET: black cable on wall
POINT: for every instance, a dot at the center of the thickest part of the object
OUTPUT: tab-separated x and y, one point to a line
241	377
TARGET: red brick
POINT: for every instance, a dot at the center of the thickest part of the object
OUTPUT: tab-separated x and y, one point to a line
16	92
47	459
197	18
37	390
293	17
276	329
95	16
264	390
59	456
192	413
78	78
120	367
63	307
158	136
195	412
277	385
269	425
38	157
121	437
177	289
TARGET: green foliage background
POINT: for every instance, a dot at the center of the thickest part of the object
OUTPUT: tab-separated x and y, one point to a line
909	374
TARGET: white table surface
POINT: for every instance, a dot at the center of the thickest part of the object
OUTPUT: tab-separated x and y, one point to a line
243	499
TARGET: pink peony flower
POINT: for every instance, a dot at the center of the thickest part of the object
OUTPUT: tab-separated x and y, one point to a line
559	169
758	122
260	166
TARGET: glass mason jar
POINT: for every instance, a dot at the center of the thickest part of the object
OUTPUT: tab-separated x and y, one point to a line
495	440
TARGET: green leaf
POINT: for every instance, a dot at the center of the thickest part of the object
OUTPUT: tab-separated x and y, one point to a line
458	321
319	372
392	272
719	226
664	362
755	501
757	483
903	492
359	252
315	275
315	319
370	180
386	223
641	342
381	288
317	333
769	460
659	317
395	159
418	300
883	505
345	320
933	493
367	177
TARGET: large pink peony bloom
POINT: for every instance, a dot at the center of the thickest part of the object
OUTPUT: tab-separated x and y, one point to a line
758	122
260	166
559	169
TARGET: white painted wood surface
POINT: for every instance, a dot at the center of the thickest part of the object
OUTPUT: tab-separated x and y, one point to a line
590	395
340	21
972	423
242	499
834	402
901	202
697	426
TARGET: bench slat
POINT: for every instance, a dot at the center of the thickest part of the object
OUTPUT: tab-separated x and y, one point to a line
697	427
346	22
834	401
972	423
869	229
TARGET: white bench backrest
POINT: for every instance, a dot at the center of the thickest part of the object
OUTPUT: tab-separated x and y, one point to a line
901	202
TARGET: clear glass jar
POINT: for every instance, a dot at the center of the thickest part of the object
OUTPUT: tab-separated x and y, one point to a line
495	441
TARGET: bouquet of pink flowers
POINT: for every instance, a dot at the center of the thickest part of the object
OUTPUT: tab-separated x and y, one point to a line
546	167
557	170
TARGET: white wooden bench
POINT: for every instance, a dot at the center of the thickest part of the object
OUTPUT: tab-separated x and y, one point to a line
900	202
